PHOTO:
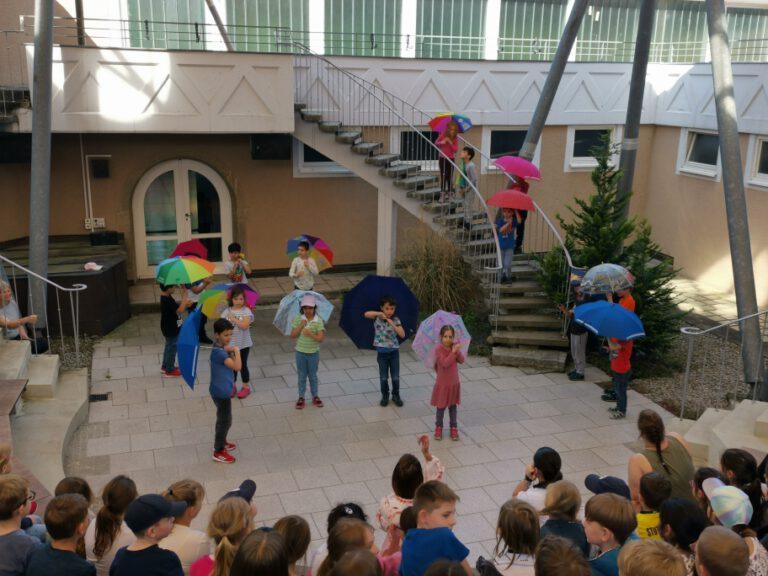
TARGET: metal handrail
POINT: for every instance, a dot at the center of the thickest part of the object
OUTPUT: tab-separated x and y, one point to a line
73	288
696	331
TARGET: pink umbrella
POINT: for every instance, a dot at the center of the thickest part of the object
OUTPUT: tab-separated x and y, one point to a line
191	248
519	167
514	199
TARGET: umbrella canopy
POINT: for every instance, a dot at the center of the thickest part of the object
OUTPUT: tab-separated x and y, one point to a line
318	250
191	248
605	278
289	309
512	199
367	295
183	270
213	300
428	335
440	122
609	320
519	167
188	347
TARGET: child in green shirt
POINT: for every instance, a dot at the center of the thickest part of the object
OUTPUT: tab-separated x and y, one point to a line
309	331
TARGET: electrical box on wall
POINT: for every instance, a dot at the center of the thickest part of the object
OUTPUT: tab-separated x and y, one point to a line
98	223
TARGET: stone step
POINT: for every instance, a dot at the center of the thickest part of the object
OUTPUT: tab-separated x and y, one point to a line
524	272
479	243
737	430
437	206
525	303
528	321
366	148
699	436
416	182
329	126
43	376
14	359
761	425
348	136
298	106
520	287
399	170
427	194
311	115
547	360
546	338
382	159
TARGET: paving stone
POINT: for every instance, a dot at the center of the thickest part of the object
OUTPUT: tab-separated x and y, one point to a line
316	477
109	445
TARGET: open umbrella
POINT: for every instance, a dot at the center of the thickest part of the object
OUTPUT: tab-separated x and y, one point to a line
191	248
367	295
183	270
188	347
609	320
213	300
512	199
289	308
519	167
440	122
318	250
605	278
428	335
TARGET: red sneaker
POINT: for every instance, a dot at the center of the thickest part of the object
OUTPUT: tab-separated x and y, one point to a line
454	434
317	402
175	373
223	456
300	404
245	391
230	446
234	391
438	432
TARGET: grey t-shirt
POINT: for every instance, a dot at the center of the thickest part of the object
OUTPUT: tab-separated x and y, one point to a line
11	312
16	549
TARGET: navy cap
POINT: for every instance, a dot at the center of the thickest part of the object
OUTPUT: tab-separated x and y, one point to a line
149	509
246	491
603	484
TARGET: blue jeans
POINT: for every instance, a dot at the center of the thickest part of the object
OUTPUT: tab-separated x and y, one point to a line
389	366
620	383
169	353
507	257
306	366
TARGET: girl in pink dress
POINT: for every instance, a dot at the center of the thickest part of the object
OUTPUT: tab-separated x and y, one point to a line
448	143
447	390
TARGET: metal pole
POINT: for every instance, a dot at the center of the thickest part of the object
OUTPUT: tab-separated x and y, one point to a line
80	22
553	79
40	181
735	199
220	25
635	104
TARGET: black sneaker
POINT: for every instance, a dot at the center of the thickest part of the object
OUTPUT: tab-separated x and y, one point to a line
384	400
609	396
397	400
575	376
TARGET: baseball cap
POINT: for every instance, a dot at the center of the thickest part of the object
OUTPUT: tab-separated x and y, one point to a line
149	509
602	484
308	300
731	506
246	491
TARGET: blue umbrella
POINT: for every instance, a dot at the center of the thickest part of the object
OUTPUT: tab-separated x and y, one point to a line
289	309
188	347
367	296
609	320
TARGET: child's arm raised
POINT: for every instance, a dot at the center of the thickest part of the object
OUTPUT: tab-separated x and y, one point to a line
294	270
457	351
373	314
246	266
312	265
233	363
298	328
399	330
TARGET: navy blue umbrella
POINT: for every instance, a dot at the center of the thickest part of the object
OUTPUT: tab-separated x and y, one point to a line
609	320
188	347
367	296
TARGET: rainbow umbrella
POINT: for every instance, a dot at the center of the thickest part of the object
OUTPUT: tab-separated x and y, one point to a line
428	336
440	122
318	250
183	270
213	300
519	167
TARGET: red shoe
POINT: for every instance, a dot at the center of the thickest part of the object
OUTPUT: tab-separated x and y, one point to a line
228	446
234	391
317	402
223	456
300	404
438	432
454	434
175	373
245	391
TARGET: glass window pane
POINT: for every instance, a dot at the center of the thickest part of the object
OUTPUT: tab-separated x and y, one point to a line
704	149
312	155
506	142
159	250
160	206
762	165
414	147
214	248
585	140
205	212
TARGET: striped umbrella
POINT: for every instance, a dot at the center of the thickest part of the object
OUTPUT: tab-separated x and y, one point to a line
318	250
183	270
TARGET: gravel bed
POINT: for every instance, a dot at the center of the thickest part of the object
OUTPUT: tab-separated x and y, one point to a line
69	360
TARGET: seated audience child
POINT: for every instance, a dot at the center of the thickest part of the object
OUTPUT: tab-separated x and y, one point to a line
348	510
74	485
109	532
517	535
358	563
699	476
556	556
262	553
150	517
562	505
682	522
66	519
445	568
602	484
721	552
296	537
348	534
230	522
543	471
650	558
187	543
16	546
433	539
654	490
609	521
740	469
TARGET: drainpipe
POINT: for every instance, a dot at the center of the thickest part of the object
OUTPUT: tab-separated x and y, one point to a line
80	22
220	25
735	199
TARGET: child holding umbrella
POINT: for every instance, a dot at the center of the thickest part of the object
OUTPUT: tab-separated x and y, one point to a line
309	331
447	390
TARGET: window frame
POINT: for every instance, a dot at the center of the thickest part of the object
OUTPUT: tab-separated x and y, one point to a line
395	138
302	169
486	166
695	169
755	179
573	163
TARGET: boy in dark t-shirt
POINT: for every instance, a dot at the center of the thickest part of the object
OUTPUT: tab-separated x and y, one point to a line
170	324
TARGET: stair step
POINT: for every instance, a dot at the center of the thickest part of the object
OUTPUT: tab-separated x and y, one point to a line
699	436
737	430
458	218
425	194
523	272
311	115
42	376
550	360
520	287
525	303
528	321
548	338
298	106
414	182
479	243
330	126
14	359
366	147
399	170
761	425
437	206
348	136
382	159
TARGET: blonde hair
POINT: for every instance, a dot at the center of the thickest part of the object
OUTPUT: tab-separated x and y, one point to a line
5	458
189	491
517	530
563	500
649	558
614	513
229	524
13	494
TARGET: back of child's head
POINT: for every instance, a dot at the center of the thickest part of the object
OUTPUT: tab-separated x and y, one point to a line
655	488
164	287
407	476
348	534
222	325
682	522
116	496
74	485
563	500
445	568
721	552
262	552
13	493
345	510
517	529
5	458
650	558
614	513
548	464
357	563
431	495
234	248
296	536
189	491
387	300
64	514
234	293
408	519
304	244
469	151
556	556
230	522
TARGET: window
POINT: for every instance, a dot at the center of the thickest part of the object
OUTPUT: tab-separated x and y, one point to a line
757	162
414	149
580	142
698	154
501	141
308	162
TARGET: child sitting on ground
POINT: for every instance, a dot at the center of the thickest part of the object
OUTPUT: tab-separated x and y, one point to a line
681	524
556	556
562	504
433	539
230	522
517	536
170	325
189	544
346	510
655	488
296	537
648	557
348	534
16	547
387	329
241	318
609	521
66	519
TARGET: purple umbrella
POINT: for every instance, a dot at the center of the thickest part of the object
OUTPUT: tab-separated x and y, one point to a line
428	335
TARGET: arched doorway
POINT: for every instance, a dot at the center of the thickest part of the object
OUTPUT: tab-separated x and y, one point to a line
175	201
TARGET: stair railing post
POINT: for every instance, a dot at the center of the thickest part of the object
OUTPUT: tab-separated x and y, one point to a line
686	378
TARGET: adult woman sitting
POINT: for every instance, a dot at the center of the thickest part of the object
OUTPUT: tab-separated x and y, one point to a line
664	453
15	324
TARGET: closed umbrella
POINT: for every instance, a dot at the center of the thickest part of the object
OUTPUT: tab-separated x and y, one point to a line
188	347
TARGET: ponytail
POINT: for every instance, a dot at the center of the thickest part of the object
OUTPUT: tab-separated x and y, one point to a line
223	557
230	522
116	496
740	469
651	428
